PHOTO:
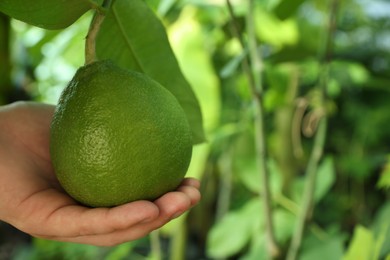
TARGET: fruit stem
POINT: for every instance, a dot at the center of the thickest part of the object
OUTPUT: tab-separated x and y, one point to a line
90	41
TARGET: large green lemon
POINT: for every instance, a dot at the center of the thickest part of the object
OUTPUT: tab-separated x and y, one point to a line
118	136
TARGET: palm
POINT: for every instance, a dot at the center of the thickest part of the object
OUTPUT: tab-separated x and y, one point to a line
32	200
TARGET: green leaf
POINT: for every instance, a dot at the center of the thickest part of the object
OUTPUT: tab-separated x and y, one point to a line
361	246
284	221
52	14
330	248
234	231
274	31
121	251
324	181
133	37
196	64
325	178
257	249
287	7
381	230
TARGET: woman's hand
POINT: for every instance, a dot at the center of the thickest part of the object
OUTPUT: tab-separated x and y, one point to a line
32	200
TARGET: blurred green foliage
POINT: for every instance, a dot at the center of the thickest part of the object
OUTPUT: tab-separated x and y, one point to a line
350	218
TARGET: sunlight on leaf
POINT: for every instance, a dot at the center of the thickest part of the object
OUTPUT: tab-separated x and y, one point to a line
381	231
188	43
274	31
361	246
133	37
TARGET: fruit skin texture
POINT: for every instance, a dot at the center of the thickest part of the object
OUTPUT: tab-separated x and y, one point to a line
118	136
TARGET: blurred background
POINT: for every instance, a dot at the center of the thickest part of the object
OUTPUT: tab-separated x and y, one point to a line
323	77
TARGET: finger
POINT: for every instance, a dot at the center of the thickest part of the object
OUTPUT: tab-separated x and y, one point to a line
81	221
111	239
191	182
102	220
192	192
170	206
71	220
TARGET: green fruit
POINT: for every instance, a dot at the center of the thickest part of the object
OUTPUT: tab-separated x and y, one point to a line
118	136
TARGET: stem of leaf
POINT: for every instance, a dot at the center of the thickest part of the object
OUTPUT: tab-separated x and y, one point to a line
90	41
252	67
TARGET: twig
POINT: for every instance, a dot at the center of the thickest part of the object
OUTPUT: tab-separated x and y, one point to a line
311	175
245	61
90	41
252	68
319	141
179	239
225	183
156	252
261	149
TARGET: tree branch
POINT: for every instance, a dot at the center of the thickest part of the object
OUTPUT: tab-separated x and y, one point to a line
319	138
311	176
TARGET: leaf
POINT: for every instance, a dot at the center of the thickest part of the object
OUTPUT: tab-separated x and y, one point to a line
121	251
188	44
133	37
234	231
361	246
284	221
231	67
325	178
381	230
324	181
257	249
331	248
53	14
274	31
287	7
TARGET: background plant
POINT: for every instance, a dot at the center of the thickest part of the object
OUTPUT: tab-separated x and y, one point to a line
319	72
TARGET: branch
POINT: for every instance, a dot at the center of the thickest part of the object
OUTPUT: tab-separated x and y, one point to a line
253	69
319	139
236	33
261	148
311	176
90	41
